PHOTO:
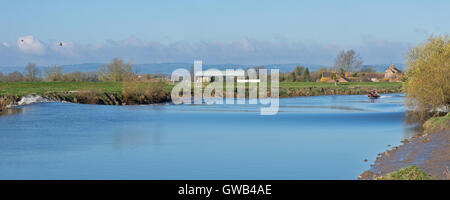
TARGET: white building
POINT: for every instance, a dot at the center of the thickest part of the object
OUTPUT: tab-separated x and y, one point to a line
211	74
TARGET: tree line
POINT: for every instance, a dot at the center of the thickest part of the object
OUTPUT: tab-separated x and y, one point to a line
115	71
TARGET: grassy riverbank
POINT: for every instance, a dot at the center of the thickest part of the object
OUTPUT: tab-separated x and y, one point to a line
119	93
292	89
286	88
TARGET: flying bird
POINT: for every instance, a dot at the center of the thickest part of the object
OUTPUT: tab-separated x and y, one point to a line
60	44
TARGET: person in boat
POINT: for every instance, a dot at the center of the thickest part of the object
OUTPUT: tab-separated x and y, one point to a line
373	94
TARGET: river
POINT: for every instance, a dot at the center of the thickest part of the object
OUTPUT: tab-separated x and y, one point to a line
322	137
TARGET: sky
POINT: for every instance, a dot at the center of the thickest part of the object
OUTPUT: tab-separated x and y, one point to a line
232	31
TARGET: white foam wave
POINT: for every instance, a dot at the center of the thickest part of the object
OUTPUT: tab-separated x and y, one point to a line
30	99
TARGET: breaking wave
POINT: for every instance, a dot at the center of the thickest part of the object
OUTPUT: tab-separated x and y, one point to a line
30	99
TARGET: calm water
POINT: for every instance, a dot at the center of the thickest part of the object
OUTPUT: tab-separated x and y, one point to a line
325	137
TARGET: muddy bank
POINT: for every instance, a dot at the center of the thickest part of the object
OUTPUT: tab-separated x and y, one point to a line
89	97
428	150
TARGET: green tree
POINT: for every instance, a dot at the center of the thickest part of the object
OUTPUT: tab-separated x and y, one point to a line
298	73
116	71
290	77
306	76
32	73
428	75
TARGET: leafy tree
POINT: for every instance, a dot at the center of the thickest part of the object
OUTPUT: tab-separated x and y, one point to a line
298	72
290	77
32	73
305	76
428	75
116	71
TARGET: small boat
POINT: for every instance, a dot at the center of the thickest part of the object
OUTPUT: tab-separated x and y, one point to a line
373	95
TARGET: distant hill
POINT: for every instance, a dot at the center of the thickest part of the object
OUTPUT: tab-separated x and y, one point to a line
168	68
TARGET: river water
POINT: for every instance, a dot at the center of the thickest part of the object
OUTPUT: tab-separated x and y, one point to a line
323	137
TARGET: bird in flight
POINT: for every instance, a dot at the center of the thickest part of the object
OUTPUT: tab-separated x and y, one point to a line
60	44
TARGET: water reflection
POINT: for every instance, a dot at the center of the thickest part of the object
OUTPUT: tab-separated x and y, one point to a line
11	111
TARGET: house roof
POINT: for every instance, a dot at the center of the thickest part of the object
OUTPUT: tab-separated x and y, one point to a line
393	69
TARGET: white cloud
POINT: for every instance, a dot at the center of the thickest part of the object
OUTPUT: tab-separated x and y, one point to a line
64	48
30	45
243	51
5	44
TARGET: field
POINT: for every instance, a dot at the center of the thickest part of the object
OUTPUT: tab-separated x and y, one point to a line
25	88
286	88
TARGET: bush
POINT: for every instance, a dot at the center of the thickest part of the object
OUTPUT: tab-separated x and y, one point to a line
428	75
409	173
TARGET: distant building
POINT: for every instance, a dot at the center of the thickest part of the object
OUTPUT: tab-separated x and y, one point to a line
392	73
348	77
326	77
210	75
372	77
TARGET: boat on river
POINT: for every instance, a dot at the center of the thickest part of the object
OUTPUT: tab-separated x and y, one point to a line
373	95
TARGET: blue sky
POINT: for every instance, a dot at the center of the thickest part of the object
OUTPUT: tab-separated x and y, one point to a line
250	32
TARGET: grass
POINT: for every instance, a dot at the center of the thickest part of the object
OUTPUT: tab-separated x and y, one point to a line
437	122
24	88
409	173
40	88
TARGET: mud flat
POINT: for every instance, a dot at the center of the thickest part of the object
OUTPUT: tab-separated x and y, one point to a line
428	150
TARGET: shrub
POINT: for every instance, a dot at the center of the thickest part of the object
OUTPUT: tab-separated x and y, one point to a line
409	173
428	75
